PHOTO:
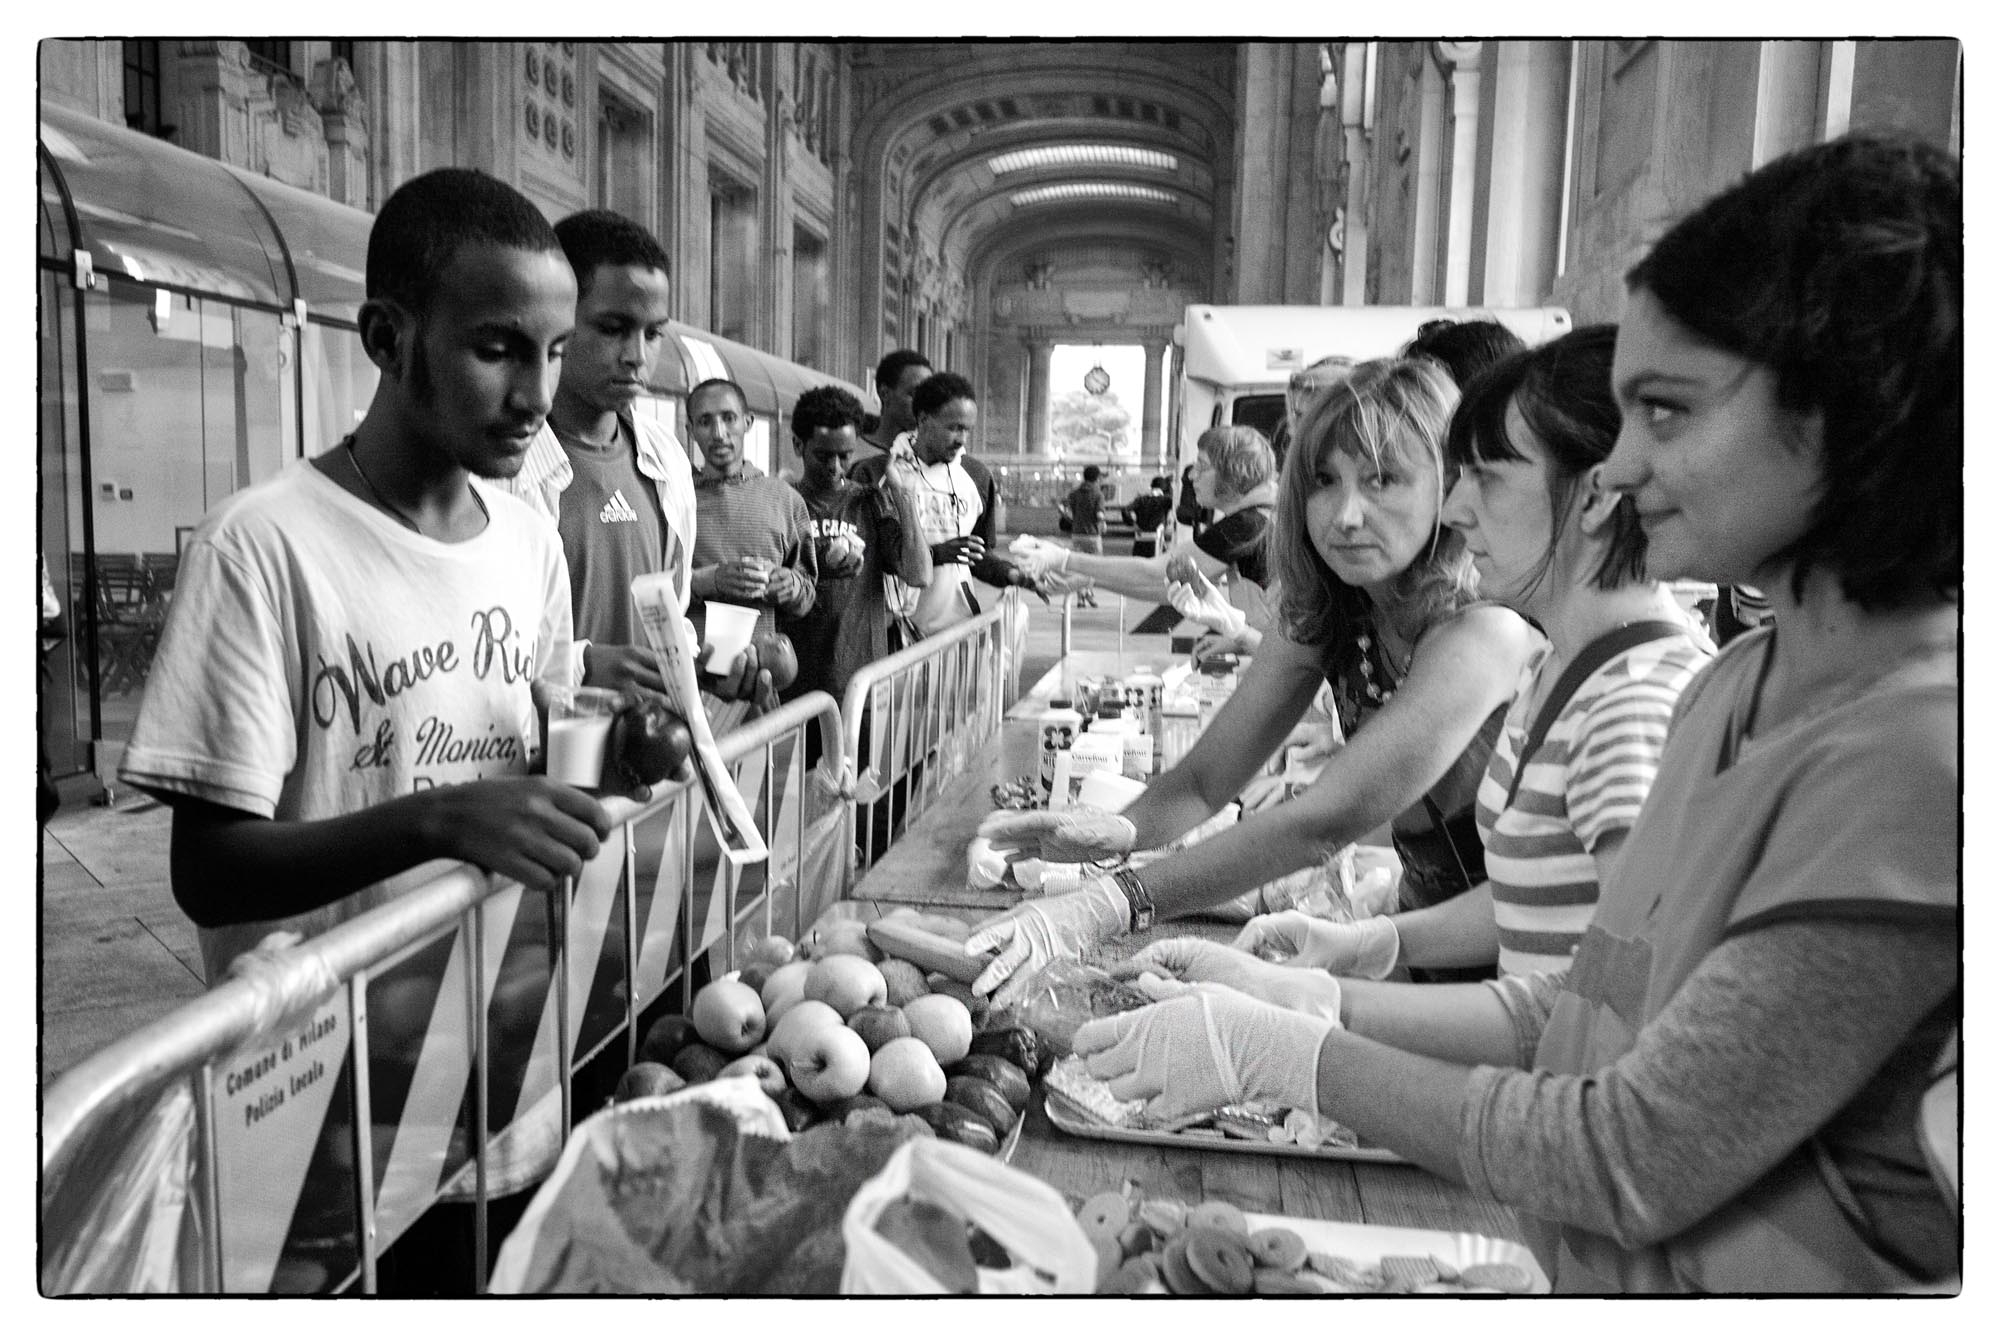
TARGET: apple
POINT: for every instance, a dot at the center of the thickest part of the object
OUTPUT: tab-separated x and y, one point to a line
698	1062
1002	1075
878	1025
943	1023
729	1015
858	1107
778	657
769	1076
666	1037
647	1078
975	1004
954	1122
904	979
905	1075
799	1023
773	951
980	1096
847	984
841	937
786	985
755	975
830	1063
851	944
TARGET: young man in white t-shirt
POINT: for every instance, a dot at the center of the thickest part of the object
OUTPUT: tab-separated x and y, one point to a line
341	703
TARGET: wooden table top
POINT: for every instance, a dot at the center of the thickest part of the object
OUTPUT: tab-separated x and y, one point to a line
926	867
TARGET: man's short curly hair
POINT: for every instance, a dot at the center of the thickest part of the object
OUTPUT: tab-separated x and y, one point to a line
936	391
599	237
826	406
430	218
1842	268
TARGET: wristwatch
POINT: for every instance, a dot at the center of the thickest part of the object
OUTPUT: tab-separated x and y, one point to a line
1136	895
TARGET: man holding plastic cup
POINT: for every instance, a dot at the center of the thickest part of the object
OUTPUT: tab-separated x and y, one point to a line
753	537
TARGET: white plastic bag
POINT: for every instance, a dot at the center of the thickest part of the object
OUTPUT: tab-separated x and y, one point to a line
1024	1215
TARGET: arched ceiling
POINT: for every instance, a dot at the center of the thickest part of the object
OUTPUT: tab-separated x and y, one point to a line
938	121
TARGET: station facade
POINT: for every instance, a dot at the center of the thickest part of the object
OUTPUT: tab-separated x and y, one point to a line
824	202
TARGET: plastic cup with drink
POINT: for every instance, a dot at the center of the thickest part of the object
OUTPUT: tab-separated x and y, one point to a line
579	728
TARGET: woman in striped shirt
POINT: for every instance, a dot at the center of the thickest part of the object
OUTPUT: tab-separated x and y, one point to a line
1528	441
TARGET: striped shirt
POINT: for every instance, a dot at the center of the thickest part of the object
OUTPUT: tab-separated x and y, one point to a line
1587	780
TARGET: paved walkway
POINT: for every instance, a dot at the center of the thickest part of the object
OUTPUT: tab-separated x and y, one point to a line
116	952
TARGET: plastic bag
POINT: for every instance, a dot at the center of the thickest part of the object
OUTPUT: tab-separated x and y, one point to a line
1062	995
697	1192
1024	1215
1358	882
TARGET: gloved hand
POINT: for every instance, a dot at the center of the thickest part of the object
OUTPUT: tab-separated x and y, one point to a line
1193	960
1364	950
1034	932
1210	608
1037	556
1080	834
1205	1049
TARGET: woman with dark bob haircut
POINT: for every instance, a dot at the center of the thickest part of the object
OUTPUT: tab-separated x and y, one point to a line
1528	442
1378	601
1722	1093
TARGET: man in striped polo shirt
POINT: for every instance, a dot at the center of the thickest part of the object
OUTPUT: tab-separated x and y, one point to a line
753	541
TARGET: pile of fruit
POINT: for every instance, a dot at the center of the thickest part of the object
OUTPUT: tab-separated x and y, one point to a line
1145	1245
832	1031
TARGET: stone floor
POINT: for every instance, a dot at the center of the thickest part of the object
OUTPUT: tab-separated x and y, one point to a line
116	952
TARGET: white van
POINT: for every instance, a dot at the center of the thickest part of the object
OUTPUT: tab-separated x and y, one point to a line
1235	361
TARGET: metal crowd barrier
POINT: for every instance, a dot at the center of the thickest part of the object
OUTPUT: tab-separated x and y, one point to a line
915	719
89	1114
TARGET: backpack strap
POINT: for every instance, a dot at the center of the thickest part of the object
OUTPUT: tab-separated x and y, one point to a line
1594	656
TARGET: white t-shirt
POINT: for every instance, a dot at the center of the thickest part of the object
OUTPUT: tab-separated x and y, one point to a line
947	502
321	658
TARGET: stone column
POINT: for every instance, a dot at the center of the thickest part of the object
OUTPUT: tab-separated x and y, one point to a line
1462	59
1277	240
775	223
1039	351
1150	446
1354	137
1518	213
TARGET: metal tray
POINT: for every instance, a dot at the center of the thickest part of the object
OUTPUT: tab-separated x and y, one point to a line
1073	1120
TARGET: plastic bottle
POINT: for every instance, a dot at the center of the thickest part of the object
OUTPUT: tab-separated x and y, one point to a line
1180	725
1142	698
1057	727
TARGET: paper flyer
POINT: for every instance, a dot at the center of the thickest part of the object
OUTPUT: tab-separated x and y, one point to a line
666	631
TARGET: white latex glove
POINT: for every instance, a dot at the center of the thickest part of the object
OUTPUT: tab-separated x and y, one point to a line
1205	1049
1034	932
1364	950
1037	556
1193	960
1211	609
1080	834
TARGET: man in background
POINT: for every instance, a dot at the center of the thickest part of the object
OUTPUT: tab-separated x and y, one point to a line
1152	518
897	376
957	504
753	538
860	535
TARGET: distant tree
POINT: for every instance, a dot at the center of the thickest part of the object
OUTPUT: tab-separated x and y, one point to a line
1082	422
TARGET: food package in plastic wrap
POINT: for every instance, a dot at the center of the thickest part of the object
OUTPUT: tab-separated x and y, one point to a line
1061	996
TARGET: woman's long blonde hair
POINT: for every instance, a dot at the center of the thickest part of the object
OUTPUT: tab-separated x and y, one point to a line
1395	409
